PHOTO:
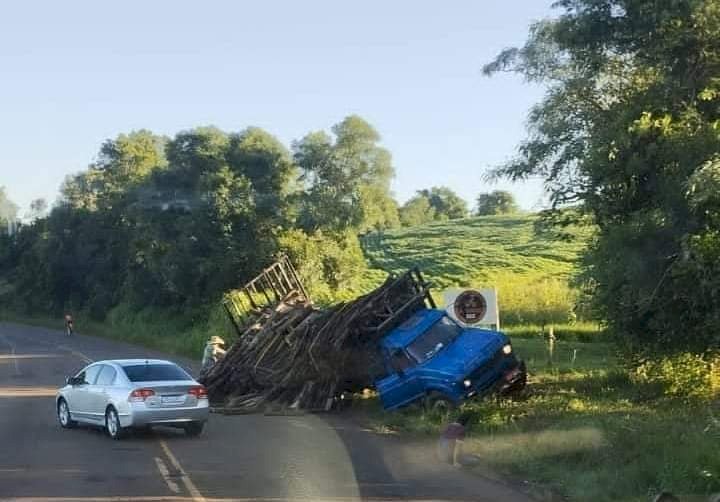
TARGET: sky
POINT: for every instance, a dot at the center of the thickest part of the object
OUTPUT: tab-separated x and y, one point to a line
73	74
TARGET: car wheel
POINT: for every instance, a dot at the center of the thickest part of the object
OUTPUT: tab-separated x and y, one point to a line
63	413
194	428
436	402
112	424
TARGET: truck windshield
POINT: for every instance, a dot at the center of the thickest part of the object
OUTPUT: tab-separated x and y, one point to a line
440	335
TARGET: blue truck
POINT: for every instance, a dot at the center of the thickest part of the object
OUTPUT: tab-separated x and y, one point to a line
432	359
402	344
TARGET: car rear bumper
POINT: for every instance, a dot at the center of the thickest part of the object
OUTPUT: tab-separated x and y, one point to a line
169	416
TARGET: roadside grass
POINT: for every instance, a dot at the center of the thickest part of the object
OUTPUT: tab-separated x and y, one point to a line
585	430
575	332
182	334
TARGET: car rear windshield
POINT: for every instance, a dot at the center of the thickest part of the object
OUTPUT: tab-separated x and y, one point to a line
155	372
440	335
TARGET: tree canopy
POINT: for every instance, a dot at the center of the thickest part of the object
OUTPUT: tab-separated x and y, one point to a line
433	204
8	209
496	202
417	211
176	222
347	178
628	131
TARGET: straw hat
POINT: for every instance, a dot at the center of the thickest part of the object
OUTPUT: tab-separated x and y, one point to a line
216	340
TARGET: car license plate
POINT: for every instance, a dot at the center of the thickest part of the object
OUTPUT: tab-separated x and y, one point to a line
172	399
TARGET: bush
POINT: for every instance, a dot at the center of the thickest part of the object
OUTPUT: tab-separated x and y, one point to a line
182	333
533	299
686	375
331	266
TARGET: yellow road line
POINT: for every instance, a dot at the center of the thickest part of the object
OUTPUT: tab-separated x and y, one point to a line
224	499
27	356
165	473
76	353
192	489
98	499
12	353
27	391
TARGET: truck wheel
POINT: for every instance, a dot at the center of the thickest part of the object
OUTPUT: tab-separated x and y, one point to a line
438	403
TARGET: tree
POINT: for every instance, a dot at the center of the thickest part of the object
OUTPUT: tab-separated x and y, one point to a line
122	165
129	159
628	133
379	209
268	166
173	223
8	209
38	209
496	202
436	203
347	178
417	211
446	203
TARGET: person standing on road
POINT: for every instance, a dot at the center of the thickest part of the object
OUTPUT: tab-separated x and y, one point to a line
451	441
213	352
68	324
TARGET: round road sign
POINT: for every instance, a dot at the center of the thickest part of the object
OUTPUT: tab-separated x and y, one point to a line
470	306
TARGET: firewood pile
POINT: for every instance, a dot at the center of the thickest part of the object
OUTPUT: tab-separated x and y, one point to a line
295	355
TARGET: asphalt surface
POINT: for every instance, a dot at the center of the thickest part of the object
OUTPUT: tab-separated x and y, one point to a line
246	457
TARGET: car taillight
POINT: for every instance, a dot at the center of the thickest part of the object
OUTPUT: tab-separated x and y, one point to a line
198	392
141	394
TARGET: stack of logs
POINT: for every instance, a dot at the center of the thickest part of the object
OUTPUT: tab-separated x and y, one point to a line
295	355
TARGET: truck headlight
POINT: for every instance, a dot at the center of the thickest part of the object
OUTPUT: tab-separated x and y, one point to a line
507	349
467	383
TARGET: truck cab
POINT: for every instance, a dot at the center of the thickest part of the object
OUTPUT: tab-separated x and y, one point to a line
430	356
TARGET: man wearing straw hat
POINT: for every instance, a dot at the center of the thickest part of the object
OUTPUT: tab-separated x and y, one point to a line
213	352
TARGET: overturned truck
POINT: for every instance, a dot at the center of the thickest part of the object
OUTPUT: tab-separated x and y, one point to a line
290	353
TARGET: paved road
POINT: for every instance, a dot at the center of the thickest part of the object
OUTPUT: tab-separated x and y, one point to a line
250	457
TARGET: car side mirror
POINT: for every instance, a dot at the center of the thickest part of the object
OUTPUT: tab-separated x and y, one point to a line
72	381
67	380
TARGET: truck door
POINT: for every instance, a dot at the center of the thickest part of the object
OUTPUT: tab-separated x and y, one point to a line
402	385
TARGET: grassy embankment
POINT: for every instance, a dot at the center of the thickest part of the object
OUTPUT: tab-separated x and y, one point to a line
176	333
586	429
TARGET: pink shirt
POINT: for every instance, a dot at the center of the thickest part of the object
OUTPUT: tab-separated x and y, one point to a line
454	431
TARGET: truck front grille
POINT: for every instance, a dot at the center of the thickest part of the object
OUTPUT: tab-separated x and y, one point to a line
483	375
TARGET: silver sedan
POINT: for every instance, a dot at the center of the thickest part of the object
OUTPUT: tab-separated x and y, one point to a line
125	393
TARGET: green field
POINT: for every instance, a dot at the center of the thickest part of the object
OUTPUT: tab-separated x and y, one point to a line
473	251
531	271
